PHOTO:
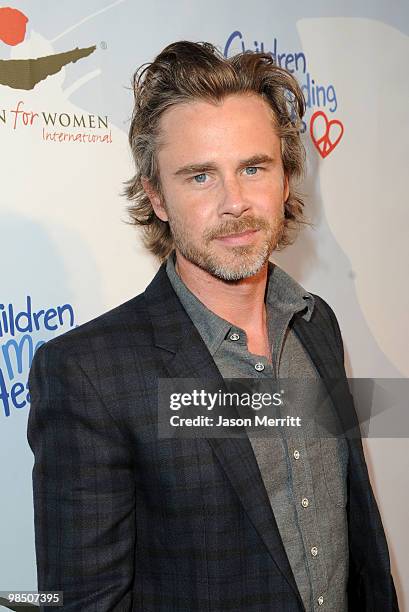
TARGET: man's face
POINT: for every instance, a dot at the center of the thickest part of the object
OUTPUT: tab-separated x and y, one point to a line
223	184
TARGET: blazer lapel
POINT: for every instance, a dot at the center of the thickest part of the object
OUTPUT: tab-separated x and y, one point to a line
185	355
326	358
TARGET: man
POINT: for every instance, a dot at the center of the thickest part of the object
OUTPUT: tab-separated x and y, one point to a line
128	520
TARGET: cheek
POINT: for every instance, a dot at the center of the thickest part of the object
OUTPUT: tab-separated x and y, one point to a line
194	208
192	214
268	195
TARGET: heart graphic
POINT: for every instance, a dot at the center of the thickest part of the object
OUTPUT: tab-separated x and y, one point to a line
325	134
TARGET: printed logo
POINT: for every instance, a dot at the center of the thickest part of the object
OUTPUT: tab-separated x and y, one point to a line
27	73
55	126
325	134
22	331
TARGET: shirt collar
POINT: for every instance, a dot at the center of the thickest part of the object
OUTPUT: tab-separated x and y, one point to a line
285	293
282	292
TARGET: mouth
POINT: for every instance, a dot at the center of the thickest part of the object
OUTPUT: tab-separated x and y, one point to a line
239	238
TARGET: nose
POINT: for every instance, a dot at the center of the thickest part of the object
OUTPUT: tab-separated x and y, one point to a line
232	199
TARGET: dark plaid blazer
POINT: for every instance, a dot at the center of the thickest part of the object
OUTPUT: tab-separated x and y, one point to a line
125	520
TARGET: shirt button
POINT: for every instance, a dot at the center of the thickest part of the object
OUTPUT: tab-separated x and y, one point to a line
234	336
305	502
296	454
259	366
320	600
314	552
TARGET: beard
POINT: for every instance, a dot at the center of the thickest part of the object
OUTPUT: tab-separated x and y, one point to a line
229	262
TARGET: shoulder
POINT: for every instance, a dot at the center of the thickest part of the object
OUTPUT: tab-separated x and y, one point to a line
109	332
325	310
324	315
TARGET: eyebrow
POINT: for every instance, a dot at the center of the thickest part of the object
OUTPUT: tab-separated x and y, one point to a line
254	160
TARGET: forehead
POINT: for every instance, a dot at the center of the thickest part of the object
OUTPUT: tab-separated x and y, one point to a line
238	119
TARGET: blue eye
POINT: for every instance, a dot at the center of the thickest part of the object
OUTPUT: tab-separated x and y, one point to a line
200	178
253	170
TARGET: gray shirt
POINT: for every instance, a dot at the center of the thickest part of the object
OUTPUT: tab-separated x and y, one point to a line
304	474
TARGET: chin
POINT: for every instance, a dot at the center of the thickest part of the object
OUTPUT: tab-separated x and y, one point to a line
233	263
237	270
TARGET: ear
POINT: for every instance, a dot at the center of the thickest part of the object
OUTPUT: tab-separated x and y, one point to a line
155	199
286	190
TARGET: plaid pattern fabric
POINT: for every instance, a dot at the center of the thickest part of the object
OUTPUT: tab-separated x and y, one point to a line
126	521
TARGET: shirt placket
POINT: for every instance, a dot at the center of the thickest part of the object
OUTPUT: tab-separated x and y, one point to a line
306	510
301	476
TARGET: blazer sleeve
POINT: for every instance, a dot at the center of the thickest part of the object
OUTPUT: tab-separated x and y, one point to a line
83	486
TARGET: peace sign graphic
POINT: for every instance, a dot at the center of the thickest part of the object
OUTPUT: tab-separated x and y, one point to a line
325	134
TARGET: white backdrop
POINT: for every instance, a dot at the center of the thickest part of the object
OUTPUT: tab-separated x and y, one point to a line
67	255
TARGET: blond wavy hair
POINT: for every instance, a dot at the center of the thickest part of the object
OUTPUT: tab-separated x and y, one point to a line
186	71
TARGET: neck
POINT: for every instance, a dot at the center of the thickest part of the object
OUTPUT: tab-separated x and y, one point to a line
239	302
